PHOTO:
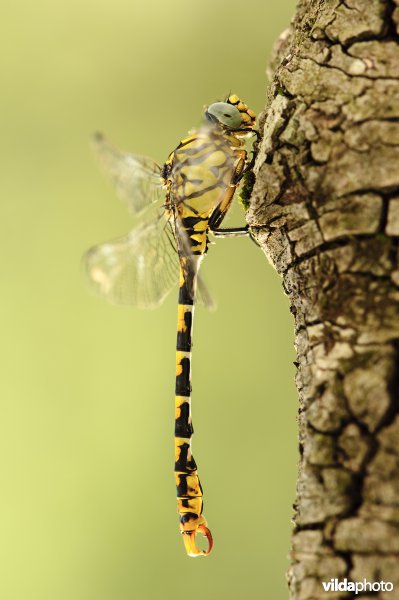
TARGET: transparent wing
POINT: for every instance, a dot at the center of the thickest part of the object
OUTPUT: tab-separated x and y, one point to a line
138	269
203	295
136	178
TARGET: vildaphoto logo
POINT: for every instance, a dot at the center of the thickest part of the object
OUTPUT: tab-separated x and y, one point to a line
334	585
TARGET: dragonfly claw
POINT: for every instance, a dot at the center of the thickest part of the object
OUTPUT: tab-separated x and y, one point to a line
190	542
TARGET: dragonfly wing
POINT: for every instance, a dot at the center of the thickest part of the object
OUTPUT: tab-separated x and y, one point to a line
138	269
203	295
136	178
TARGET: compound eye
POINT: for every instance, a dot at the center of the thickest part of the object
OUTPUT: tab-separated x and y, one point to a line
225	114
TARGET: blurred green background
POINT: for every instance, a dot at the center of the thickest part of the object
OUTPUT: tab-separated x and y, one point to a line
88	509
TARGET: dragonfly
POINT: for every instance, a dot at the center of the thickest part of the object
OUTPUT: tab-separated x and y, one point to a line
178	205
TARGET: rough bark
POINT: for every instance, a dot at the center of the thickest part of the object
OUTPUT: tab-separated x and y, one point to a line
325	209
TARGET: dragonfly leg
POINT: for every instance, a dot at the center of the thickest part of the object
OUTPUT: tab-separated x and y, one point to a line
231	231
249	164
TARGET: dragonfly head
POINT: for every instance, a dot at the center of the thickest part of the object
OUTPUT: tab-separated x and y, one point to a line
231	115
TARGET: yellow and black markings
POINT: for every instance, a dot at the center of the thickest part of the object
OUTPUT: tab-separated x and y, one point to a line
200	176
196	186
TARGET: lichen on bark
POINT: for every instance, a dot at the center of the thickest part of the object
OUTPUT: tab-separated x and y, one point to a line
325	210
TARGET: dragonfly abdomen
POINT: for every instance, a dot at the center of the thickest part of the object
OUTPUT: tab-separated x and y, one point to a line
188	486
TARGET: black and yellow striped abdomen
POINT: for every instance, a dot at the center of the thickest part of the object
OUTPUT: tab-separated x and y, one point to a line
188	486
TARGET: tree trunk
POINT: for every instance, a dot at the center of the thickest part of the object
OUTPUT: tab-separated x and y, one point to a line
325	210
